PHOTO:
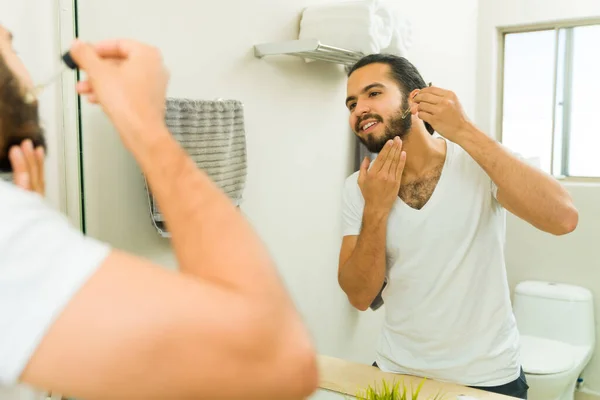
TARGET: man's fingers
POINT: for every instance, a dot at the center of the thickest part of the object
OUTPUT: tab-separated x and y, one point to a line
92	98
423	97
425	116
117	48
84	87
387	166
428	108
400	166
364	166
383	155
32	164
433	90
28	167
19	168
394	163
392	158
40	156
85	56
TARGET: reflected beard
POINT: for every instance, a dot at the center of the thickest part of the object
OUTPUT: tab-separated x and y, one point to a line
19	119
397	126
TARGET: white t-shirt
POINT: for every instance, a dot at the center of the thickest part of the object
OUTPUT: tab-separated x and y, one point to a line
448	314
44	261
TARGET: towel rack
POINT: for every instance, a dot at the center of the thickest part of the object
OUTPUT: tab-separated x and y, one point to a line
308	49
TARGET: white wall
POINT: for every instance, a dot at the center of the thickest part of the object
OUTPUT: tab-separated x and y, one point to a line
299	146
530	253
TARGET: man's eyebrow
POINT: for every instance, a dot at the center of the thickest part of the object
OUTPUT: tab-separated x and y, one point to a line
10	36
365	89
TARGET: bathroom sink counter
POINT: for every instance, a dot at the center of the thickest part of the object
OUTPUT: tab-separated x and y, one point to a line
349	378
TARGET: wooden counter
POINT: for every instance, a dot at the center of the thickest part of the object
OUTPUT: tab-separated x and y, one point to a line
350	378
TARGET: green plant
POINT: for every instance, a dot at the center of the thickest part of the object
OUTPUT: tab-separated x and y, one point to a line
392	391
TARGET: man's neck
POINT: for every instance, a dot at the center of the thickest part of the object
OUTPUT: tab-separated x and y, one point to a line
423	151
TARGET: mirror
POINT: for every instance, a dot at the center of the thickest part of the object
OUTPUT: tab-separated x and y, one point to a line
437	285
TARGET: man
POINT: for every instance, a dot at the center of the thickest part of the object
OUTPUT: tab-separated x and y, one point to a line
427	217
85	320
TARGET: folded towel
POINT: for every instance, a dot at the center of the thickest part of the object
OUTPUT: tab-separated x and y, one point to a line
401	37
213	134
364	26
344	8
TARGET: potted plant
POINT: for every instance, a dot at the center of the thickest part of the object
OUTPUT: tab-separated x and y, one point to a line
393	391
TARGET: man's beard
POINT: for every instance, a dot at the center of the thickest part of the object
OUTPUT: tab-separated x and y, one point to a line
19	119
397	126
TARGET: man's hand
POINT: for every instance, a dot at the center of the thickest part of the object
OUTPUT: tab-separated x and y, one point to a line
443	111
380	183
129	80
28	167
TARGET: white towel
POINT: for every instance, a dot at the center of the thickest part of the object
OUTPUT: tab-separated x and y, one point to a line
365	26
401	37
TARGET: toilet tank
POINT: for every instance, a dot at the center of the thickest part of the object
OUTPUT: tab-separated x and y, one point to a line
555	311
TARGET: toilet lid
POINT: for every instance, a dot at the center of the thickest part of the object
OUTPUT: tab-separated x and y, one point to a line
544	356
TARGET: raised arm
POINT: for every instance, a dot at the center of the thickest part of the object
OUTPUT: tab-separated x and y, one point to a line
361	271
527	192
223	328
524	190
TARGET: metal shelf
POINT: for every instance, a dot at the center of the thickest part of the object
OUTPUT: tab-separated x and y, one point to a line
308	49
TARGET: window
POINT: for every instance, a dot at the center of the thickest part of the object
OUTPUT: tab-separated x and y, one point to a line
551	94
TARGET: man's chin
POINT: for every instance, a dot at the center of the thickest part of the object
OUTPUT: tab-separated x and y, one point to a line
374	147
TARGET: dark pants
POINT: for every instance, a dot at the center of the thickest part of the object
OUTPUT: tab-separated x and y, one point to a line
517	388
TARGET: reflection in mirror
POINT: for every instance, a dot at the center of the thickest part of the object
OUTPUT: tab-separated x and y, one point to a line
460	260
425	227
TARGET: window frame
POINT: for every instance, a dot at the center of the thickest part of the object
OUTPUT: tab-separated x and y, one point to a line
501	32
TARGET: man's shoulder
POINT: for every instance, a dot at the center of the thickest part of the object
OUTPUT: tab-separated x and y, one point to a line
352	180
462	159
351	187
29	220
45	261
18	203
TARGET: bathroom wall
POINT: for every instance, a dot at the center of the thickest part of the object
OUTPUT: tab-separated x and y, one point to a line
300	149
530	253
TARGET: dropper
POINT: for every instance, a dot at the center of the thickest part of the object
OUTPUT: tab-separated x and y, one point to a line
408	110
68	64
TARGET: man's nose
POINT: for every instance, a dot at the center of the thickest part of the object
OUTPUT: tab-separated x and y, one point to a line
361	108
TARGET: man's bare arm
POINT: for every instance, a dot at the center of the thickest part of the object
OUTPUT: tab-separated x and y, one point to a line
225	328
362	258
140	331
362	262
527	192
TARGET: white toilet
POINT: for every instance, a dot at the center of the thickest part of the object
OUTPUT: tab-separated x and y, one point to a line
556	324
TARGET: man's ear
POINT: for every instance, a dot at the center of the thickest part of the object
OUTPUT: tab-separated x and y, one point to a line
411	103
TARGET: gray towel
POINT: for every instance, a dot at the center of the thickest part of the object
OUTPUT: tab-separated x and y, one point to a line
213	134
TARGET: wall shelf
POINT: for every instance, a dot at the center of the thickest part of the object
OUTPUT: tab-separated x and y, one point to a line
308	49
